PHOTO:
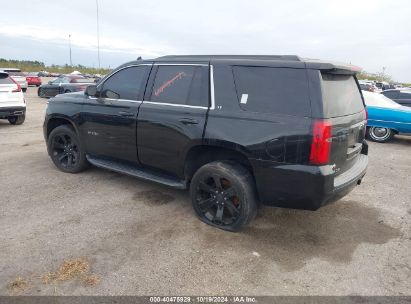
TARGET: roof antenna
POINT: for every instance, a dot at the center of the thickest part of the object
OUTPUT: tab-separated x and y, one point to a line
139	58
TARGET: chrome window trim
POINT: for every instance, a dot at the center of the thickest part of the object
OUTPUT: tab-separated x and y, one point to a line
212	96
174	104
120	99
212	92
184	64
129	66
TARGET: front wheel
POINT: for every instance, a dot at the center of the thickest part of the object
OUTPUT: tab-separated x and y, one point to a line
17	120
65	150
223	195
379	134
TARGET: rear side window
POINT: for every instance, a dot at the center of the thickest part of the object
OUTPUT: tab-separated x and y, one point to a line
405	95
391	94
183	85
272	90
341	95
127	83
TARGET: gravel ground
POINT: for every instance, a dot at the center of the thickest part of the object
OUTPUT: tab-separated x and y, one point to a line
139	238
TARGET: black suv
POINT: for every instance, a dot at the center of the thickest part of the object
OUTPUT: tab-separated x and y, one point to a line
235	130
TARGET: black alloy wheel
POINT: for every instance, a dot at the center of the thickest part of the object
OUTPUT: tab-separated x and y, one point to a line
64	149
223	195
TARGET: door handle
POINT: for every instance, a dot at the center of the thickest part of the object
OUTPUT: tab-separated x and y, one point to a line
126	114
188	121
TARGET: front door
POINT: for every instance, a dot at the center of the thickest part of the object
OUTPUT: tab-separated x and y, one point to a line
173	115
109	120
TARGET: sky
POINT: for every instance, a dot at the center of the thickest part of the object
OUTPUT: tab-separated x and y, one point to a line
372	34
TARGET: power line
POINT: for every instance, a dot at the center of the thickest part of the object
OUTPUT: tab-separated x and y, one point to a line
71	62
98	36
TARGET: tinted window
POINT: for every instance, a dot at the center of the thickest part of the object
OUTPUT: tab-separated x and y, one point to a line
341	95
6	80
128	83
274	90
391	94
405	95
379	100
184	85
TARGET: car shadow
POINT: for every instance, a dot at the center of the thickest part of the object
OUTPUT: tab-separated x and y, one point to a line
402	140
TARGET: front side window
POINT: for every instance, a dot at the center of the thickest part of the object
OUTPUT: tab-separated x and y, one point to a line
183	85
272	90
127	83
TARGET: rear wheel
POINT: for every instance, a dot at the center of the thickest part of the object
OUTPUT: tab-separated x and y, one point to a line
65	150
378	134
223	195
24	89
67	91
17	120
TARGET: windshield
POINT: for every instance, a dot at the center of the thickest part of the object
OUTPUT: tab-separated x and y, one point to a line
379	100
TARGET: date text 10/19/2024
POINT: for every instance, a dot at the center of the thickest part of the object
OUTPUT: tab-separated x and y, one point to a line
205	299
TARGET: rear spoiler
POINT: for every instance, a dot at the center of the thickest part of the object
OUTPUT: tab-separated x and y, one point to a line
333	68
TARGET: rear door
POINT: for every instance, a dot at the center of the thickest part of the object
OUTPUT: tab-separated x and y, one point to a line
344	108
173	115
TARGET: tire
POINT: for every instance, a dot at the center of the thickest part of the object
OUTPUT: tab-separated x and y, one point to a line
223	195
40	93
381	135
17	120
65	150
67	91
24	90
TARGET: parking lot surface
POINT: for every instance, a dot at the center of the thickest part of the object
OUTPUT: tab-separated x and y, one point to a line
132	237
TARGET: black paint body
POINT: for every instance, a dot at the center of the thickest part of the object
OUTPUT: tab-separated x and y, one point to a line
274	147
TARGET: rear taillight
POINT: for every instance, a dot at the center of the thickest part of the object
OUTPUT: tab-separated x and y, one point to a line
18	86
321	144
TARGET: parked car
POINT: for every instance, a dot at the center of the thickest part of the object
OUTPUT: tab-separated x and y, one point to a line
33	79
401	96
385	117
235	130
12	103
64	84
18	76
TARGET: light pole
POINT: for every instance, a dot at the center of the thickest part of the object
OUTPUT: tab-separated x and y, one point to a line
98	36
71	62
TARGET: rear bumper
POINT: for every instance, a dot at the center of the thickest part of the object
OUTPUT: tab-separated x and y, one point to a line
12	111
303	186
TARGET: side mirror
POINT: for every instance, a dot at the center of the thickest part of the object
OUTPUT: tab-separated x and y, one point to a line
91	90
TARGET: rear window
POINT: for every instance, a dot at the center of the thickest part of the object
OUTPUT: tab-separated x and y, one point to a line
341	95
16	73
6	80
272	90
